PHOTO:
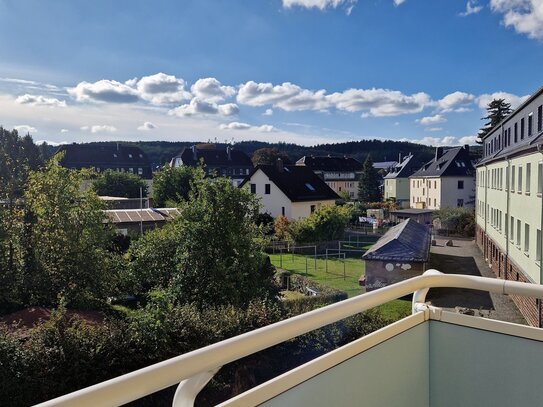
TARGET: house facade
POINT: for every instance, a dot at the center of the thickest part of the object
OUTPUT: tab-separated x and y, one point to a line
446	181
341	174
396	182
509	200
292	191
225	162
111	156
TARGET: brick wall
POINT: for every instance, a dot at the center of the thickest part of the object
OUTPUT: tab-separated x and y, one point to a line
502	267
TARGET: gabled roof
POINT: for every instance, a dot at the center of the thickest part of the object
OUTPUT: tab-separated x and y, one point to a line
103	156
404	169
297	182
407	241
216	157
454	162
384	165
329	163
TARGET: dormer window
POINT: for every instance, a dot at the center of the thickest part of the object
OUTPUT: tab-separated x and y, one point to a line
129	155
310	187
114	155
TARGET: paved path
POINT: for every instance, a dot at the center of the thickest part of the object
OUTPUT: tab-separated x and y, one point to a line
466	258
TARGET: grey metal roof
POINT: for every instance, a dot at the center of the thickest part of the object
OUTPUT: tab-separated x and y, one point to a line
407	241
329	163
412	211
140	215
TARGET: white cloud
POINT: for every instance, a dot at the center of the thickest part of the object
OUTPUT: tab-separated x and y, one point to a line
64	130
430	120
471	8
265	128
51	143
435	141
38	100
211	90
290	97
515	100
398	2
434	129
146	126
321	4
525	16
468	140
201	107
162	89
99	129
455	101
268	112
104	91
25	128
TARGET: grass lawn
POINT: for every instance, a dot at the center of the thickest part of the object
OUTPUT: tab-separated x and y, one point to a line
334	277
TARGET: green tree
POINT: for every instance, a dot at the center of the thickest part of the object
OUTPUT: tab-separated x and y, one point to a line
497	110
368	185
173	184
267	156
326	223
212	253
66	240
122	184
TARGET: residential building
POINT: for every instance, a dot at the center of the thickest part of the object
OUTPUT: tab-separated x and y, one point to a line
396	182
294	191
110	156
340	173
222	161
448	180
509	203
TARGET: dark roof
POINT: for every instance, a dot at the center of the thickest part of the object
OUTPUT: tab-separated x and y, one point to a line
297	182
384	165
412	211
404	169
103	156
215	157
407	241
454	162
329	163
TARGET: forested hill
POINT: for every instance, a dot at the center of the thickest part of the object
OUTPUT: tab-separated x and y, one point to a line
161	152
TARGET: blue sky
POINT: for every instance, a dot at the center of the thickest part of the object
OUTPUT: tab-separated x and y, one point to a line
305	71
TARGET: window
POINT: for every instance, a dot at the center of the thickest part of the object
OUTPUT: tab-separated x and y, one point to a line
129	155
522	128
140	171
506	178
267	189
460	184
460	203
538	245
435	202
516	132
312	208
519	225
435	184
253	188
114	155
539	176
309	186
509	136
528	177
513	178
283	210
526	238
519	179
131	170
512	229
540	118
530	123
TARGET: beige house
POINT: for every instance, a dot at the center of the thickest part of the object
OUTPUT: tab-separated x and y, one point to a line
396	183
446	181
292	191
509	200
340	173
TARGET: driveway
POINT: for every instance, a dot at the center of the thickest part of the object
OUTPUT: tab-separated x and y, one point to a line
466	258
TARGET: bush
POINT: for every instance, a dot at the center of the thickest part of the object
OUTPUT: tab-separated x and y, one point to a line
458	221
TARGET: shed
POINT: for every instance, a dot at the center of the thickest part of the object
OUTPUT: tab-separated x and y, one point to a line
400	254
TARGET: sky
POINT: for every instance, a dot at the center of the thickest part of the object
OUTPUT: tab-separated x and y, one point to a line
302	71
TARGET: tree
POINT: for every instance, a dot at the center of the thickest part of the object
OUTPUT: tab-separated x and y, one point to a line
497	110
268	156
66	240
326	223
368	185
212	253
173	184
122	184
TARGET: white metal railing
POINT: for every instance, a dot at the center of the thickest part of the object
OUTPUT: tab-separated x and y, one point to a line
194	369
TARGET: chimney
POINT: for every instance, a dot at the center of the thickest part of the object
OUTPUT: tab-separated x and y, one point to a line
194	153
229	153
399	158
466	147
279	165
439	153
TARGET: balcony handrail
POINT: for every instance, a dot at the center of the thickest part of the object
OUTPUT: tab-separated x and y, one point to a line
196	364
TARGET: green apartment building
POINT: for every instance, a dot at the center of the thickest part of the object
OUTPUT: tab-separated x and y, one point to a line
509	204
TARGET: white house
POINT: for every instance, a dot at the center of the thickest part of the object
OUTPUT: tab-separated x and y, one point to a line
446	181
293	191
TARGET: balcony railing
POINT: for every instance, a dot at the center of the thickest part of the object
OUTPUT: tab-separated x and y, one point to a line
193	370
